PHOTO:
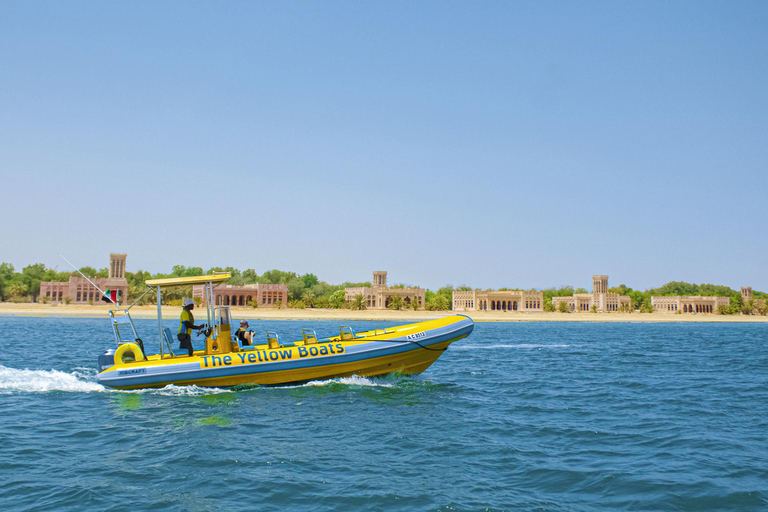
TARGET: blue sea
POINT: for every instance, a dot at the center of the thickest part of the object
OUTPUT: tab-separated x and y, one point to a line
519	416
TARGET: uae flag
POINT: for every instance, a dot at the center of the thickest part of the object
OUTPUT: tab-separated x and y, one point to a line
111	296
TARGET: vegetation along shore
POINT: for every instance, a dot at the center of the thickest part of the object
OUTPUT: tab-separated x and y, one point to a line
310	298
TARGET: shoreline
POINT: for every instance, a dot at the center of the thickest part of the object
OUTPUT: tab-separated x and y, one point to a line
171	312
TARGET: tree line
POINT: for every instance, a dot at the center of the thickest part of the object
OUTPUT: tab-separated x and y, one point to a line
307	291
641	300
304	291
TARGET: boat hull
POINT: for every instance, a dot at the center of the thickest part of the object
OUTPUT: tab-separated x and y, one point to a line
407	349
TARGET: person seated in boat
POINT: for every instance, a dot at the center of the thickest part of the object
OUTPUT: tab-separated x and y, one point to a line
243	334
186	324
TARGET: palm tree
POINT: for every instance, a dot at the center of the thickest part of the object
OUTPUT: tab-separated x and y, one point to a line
17	289
358	304
397	303
309	298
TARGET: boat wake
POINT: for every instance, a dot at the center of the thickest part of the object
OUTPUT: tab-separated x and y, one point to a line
80	381
171	390
345	381
41	381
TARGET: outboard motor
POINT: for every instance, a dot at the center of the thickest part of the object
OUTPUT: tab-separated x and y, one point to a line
107	360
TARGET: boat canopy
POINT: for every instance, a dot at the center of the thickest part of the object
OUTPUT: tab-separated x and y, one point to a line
215	320
174	281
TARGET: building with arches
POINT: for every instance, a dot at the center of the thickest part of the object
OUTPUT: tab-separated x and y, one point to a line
688	303
265	295
380	296
79	291
600	298
498	300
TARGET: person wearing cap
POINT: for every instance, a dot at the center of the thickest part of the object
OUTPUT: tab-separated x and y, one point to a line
243	334
186	324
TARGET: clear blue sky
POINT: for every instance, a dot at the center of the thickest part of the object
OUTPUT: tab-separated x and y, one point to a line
492	144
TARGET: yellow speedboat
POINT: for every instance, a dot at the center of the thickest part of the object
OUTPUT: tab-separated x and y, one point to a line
224	362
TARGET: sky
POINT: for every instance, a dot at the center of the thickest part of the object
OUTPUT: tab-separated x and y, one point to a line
488	144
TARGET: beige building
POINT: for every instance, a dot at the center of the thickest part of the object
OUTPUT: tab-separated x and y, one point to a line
746	294
600	298
380	296
265	295
80	291
498	300
688	303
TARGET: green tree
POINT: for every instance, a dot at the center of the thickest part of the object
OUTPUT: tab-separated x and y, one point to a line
737	303
337	299
250	276
296	288
89	271
309	298
310	280
278	277
438	303
6	274
562	307
639	298
622	289
31	276
17	289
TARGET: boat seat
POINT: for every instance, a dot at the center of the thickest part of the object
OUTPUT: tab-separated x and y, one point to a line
310	336
236	340
170	340
346	333
273	340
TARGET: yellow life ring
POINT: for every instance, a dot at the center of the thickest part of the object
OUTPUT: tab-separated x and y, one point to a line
128	352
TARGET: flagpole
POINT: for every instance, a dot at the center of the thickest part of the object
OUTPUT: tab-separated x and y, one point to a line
92	283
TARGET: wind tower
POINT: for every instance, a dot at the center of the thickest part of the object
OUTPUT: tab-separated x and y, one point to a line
117	266
379	278
599	289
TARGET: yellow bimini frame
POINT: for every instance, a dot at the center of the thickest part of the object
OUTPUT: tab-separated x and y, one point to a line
217	340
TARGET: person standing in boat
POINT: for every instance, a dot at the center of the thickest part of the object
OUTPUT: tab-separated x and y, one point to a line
186	324
243	334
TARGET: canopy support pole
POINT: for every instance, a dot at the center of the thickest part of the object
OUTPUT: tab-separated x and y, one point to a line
160	321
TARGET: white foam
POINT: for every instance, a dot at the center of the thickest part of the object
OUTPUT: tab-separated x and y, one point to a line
349	381
41	381
172	390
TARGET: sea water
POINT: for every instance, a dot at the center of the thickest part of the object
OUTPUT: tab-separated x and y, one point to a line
519	416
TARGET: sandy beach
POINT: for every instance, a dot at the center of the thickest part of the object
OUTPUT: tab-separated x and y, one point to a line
52	310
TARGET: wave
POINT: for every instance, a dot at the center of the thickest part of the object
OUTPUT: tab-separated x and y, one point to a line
517	345
79	381
346	381
41	381
172	390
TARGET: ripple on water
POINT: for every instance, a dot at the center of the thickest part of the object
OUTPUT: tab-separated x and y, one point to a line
515	417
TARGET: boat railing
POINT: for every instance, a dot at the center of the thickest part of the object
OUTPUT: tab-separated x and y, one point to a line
122	327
